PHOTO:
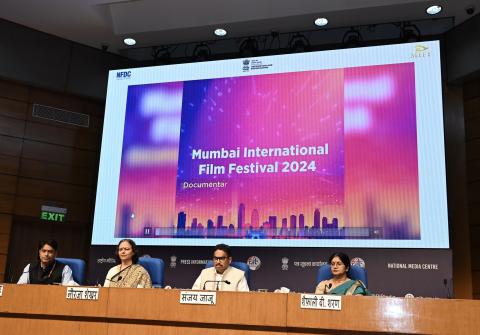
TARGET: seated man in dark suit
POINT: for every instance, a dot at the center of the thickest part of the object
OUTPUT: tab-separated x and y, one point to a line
47	270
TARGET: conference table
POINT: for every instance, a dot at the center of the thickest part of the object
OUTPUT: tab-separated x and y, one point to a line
30	309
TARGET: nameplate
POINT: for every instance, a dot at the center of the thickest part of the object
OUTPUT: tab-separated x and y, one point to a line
198	298
1	290
317	301
82	293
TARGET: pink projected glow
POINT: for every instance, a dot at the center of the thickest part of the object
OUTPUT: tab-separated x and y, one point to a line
379	88
230	157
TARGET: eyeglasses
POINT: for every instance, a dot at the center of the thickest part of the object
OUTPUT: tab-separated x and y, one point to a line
221	259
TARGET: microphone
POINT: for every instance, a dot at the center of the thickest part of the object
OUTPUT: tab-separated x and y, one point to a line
216	282
118	274
447	287
362	283
116	280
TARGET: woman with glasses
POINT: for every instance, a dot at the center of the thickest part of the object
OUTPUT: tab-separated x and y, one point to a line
127	273
340	284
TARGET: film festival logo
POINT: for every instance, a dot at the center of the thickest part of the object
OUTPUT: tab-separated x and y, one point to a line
284	264
173	261
358	262
254	263
124	74
421	51
246	65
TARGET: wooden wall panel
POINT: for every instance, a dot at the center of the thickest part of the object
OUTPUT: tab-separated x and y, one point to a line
473	149
12	127
13	91
7	203
455	152
57	172
44	162
3	261
474	214
60	154
3	265
471	94
8	184
472	108
10	145
5	223
471	90
472	129
4	238
13	108
94	108
476	264
9	164
474	193
54	191
476	281
30	207
62	101
473	170
56	134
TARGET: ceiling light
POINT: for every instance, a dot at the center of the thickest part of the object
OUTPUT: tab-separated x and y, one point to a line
129	41
220	32
433	10
321	22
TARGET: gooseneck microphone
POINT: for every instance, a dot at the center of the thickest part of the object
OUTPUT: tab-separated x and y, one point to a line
217	282
362	284
447	287
118	275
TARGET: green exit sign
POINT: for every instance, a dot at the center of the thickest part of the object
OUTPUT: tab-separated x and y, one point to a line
54	214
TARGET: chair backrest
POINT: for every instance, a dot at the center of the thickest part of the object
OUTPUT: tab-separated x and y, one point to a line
78	267
155	268
355	272
239	265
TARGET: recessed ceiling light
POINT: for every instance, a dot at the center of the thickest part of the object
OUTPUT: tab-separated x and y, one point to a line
220	32
321	21
433	10
129	41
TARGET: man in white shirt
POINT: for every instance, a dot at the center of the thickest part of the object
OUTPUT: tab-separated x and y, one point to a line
47	270
222	276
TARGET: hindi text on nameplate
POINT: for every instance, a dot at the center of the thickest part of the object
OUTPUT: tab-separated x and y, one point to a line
82	293
198	298
318	301
1	290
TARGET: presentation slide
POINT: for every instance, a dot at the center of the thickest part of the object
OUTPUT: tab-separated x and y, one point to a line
339	148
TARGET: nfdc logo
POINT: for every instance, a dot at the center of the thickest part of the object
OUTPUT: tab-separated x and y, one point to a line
124	74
